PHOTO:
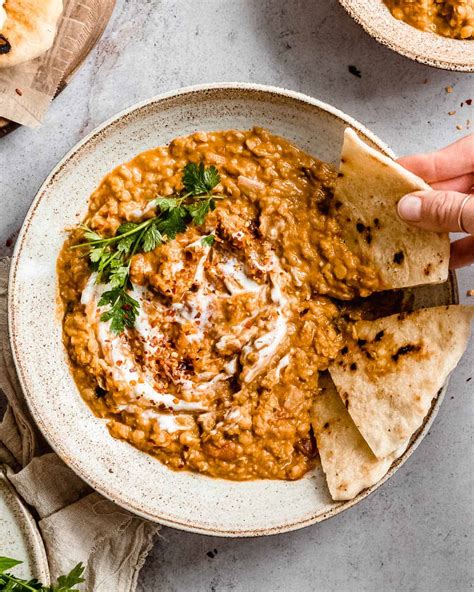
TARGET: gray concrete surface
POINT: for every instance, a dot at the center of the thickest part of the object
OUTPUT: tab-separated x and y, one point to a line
415	533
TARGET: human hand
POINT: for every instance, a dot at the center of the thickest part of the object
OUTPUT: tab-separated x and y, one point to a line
449	207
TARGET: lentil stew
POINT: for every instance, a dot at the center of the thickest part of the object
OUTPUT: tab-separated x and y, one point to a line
220	371
449	18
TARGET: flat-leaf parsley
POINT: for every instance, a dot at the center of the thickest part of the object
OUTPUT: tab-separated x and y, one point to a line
111	257
12	583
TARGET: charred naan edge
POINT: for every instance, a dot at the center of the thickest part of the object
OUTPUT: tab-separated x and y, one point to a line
368	188
348	463
392	367
29	26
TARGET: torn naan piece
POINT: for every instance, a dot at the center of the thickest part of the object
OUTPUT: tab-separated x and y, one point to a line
348	463
368	188
391	368
27	29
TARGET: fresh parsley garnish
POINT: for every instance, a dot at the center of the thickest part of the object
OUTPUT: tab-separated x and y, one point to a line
198	180
123	309
11	583
208	241
111	256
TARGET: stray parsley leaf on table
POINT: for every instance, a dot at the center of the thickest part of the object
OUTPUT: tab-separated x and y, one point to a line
111	257
11	583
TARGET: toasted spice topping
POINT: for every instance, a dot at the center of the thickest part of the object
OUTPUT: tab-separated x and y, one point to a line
100	392
404	350
379	335
399	257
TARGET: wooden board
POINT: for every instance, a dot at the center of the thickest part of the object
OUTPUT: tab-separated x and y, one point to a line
102	14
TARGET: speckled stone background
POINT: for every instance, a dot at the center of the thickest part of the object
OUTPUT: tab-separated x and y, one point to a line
415	533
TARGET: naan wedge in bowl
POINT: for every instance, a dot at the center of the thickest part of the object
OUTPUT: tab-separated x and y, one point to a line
368	188
391	369
28	29
349	464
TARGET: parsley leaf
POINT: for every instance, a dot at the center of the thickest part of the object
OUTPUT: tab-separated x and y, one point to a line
174	222
198	180
152	238
166	204
127	227
89	234
97	253
208	241
125	244
123	309
198	211
119	275
66	583
8	563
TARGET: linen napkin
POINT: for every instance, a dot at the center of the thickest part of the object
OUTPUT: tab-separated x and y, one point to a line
76	523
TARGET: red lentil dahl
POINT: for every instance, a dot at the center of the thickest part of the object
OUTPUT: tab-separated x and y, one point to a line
219	374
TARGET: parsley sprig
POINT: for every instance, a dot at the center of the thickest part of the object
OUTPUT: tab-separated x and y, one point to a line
12	583
111	256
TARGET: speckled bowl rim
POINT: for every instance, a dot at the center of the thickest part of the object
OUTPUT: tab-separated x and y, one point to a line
416	49
21	364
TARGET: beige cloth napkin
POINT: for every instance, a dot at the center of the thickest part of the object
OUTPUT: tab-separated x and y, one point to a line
76	523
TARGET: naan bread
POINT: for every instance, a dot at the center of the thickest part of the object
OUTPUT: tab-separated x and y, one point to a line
29	28
392	368
348	463
368	189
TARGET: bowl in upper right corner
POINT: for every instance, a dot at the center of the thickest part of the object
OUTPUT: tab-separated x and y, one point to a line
422	46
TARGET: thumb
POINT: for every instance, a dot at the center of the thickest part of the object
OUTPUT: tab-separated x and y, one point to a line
439	211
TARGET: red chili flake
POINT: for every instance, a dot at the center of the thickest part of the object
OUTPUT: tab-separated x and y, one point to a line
469	102
18	92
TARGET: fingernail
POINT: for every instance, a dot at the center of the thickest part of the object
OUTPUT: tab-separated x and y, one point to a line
409	208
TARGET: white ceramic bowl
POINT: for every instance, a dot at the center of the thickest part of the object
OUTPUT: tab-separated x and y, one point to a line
422	46
114	468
